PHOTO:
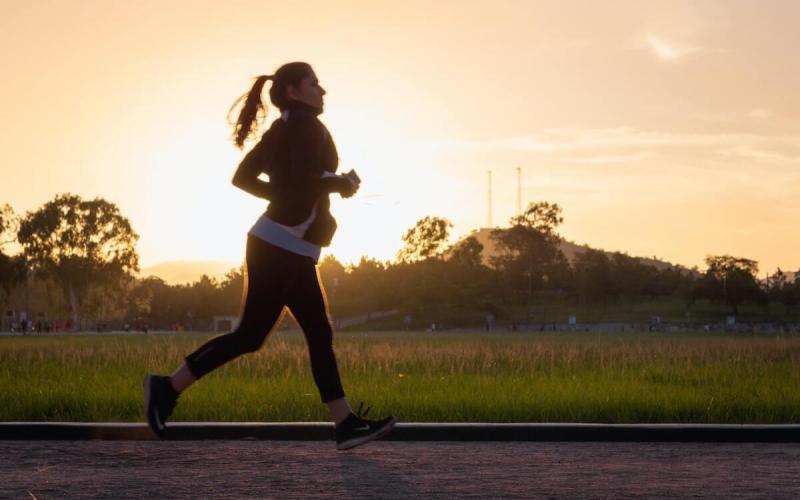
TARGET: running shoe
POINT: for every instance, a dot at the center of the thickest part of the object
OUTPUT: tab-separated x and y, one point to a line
356	430
159	401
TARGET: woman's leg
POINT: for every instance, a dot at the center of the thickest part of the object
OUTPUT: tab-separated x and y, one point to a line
260	315
182	378
263	304
307	303
267	280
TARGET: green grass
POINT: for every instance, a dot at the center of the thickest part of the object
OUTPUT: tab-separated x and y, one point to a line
450	377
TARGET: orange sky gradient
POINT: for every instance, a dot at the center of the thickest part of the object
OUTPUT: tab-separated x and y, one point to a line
667	129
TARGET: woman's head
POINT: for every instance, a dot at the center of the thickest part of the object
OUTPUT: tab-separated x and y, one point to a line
295	81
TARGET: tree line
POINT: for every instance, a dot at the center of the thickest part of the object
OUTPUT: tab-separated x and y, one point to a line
81	254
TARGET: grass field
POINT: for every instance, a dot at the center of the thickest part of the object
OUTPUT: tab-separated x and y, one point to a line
449	377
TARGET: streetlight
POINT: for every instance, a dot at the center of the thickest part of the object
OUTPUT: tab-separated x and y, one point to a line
529	274
545	279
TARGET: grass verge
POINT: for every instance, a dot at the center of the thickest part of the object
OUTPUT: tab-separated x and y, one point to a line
447	377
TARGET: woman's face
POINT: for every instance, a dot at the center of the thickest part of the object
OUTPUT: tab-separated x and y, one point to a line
308	91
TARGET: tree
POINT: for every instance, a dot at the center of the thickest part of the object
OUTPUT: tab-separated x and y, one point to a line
467	253
541	216
528	255
593	275
231	290
9	226
775	284
12	268
80	245
426	239
731	280
779	288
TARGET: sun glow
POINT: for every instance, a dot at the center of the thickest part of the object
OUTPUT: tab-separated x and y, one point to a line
129	103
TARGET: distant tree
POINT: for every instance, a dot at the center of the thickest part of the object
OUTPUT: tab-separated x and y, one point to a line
367	285
12	268
141	297
231	290
541	216
331	269
332	273
527	258
204	301
9	226
467	253
425	240
780	289
731	280
791	297
79	244
594	275
720	265
671	281
775	283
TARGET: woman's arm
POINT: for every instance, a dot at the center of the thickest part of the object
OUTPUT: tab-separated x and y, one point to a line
306	145
251	166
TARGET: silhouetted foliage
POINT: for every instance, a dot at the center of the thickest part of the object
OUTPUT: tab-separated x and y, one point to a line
426	239
780	289
86	248
731	280
528	256
541	216
467	254
82	245
12	268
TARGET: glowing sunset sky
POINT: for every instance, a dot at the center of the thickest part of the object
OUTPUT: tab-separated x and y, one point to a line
662	128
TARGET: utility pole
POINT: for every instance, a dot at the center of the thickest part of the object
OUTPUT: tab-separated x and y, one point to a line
519	191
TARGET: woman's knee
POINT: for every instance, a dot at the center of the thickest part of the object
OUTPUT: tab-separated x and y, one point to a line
247	340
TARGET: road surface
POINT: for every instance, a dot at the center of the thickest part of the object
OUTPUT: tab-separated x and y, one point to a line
419	470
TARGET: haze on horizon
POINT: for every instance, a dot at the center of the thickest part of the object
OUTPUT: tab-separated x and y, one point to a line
666	129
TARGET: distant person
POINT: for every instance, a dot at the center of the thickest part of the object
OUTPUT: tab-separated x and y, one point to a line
489	324
283	247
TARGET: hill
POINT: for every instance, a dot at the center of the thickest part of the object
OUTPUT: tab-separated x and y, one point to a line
182	271
568	248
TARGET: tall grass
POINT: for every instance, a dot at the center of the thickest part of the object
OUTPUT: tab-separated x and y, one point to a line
419	377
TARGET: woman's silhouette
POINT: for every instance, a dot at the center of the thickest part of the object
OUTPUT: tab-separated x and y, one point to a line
283	246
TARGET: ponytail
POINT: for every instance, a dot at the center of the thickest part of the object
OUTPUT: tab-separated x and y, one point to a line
252	112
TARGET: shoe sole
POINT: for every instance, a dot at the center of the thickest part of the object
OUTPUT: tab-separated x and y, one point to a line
152	420
347	445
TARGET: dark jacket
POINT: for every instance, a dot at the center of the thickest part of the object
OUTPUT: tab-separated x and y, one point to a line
295	153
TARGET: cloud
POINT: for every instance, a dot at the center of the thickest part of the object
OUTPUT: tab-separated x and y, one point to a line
751	153
738	116
618	145
571	139
667	50
760	113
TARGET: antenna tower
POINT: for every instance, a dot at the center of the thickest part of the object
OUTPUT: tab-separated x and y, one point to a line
489	194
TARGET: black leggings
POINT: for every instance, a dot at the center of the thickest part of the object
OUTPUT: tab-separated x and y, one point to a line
277	278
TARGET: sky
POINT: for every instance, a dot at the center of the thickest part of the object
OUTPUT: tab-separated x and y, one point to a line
667	129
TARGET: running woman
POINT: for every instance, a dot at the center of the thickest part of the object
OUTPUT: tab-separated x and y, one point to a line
283	247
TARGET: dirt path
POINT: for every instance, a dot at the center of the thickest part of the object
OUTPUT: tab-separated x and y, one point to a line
309	470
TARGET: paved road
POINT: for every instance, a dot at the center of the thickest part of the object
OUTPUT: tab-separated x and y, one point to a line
436	470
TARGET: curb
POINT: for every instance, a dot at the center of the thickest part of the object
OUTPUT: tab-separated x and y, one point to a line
323	431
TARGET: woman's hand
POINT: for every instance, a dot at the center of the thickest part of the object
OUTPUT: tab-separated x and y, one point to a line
355	183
